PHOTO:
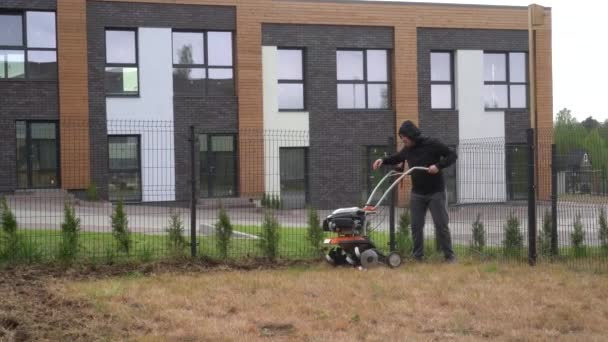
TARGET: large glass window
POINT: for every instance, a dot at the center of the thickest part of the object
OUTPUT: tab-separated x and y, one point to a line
363	79
442	80
29	53
291	79
506	80
121	63
203	63
124	168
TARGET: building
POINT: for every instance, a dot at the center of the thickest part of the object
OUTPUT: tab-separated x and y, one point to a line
105	92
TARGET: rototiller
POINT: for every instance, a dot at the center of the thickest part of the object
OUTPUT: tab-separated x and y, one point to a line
353	245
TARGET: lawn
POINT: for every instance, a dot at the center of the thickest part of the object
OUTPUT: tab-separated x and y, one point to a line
319	303
293	244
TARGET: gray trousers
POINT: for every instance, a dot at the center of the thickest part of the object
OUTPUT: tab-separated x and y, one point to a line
436	203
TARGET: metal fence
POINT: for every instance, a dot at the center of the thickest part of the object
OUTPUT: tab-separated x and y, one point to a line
158	191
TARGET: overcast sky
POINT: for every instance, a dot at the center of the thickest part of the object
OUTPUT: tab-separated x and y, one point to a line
580	53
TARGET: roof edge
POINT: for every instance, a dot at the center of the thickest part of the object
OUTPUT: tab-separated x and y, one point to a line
411	3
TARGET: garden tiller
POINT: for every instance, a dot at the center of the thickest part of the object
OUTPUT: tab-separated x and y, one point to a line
353	245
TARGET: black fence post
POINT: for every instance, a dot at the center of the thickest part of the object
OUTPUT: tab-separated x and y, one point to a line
391	224
193	194
531	200
554	250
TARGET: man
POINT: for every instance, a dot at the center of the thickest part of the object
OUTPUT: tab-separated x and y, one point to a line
428	188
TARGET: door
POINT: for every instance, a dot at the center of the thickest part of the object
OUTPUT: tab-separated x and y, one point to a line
517	172
294	177
374	176
217	153
125	182
37	154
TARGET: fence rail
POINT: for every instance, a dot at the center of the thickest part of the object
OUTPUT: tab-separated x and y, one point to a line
159	191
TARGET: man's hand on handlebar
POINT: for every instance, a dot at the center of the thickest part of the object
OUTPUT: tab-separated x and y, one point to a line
377	164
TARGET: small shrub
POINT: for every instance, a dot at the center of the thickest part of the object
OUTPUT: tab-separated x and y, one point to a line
273	201
92	194
404	241
223	232
120	228
70	229
264	200
479	235
109	256
603	233
544	238
514	241
8	220
147	253
577	237
9	247
175	235
315	231
27	251
269	241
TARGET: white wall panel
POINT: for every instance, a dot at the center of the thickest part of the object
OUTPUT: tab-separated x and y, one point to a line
151	114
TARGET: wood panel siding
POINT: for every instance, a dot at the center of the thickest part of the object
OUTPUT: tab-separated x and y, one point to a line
73	93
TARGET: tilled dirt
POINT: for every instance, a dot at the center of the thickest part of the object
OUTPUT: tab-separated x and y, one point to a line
31	310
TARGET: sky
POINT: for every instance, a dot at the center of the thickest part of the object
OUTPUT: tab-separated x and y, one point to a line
580	53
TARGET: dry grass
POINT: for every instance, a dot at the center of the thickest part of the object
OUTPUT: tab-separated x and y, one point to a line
419	302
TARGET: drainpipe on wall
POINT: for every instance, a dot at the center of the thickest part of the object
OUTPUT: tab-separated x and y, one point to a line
536	17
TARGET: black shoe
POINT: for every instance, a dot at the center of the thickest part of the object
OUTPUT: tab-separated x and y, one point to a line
451	260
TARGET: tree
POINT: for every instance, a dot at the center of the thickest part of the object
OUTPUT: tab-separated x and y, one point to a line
590	123
185	57
315	231
120	228
569	133
223	232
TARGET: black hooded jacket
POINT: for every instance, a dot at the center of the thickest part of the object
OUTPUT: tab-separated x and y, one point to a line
425	152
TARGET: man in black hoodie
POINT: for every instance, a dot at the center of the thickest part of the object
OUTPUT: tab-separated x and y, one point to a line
428	188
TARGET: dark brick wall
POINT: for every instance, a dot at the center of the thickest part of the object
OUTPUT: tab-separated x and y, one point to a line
205	113
337	137
443	124
22	100
217	114
516	124
29	4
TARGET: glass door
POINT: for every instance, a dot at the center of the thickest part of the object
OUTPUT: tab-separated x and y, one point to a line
517	172
217	153
37	154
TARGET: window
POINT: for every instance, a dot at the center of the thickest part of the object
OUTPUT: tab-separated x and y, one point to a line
203	63
506	81
363	79
291	79
442	80
122	76
124	168
28	46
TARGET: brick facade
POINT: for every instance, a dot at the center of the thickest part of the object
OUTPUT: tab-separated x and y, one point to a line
444	123
337	137
413	29
22	100
210	113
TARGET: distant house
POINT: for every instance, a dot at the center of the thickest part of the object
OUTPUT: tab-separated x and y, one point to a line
575	173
